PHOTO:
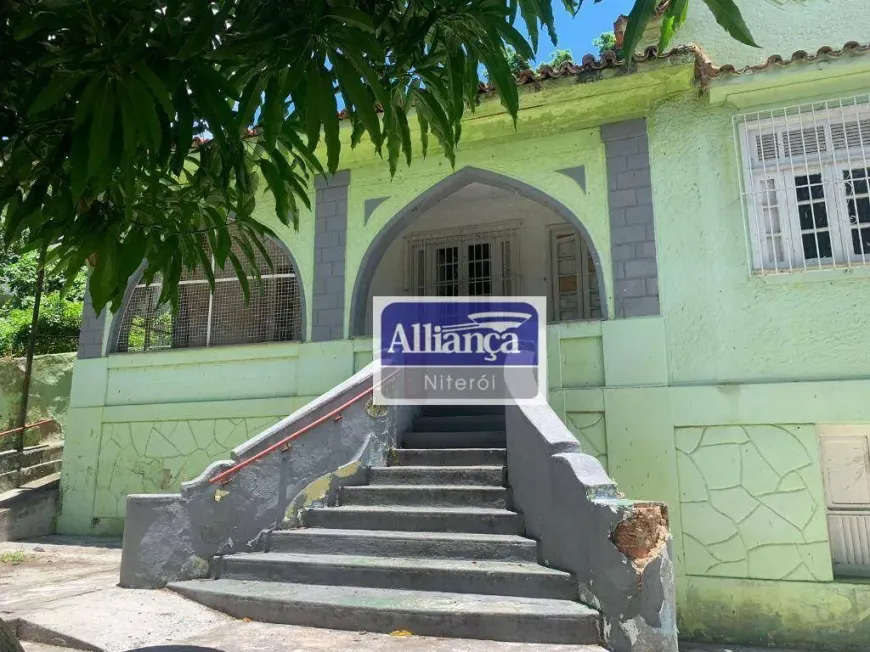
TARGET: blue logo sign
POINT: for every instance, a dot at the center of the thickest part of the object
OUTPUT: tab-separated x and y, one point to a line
473	333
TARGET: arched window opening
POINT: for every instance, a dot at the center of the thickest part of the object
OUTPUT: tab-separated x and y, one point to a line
219	318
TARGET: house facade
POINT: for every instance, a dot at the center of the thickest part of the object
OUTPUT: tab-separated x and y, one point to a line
697	223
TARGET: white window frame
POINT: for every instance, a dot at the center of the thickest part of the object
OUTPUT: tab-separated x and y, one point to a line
499	236
584	268
785	167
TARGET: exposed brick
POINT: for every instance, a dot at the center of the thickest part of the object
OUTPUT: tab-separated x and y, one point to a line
336	332
622	148
321	284
624	129
328	239
325	301
321	333
630	288
623	252
645	250
618	164
623	198
331	254
617	217
325	209
335	194
329	317
618	270
338	269
640	306
639	214
322	270
652	286
335	285
643	144
644	195
636	161
633	179
651	232
626	234
641	268
336	223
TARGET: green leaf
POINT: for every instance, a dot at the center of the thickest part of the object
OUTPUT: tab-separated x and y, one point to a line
205	264
203	35
331	128
276	185
529	11
252	97
273	111
60	84
157	88
351	16
728	15
242	276
638	19
360	98
83	109
140	98
404	132
102	126
78	164
313	110
183	130
424	132
673	19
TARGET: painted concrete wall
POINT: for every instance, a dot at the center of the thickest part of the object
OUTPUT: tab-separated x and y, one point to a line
779	27
49	390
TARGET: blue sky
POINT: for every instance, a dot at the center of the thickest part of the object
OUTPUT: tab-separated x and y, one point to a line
576	34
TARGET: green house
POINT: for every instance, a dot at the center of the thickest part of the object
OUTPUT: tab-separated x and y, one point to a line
699	221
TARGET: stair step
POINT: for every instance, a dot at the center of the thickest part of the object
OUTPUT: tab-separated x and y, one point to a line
449	457
460	410
432	475
437	545
425	496
470	439
424	613
448	575
411	519
459	423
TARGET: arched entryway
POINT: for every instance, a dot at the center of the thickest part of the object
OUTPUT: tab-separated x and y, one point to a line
479	233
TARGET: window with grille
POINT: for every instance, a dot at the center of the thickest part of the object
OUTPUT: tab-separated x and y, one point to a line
472	262
203	318
574	278
805	185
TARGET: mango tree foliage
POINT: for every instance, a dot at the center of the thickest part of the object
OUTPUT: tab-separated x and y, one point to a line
126	125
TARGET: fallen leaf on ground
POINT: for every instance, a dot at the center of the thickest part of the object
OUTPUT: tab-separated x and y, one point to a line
246	620
401	632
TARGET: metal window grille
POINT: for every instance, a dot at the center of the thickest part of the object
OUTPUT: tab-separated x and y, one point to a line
805	179
203	318
477	261
575	281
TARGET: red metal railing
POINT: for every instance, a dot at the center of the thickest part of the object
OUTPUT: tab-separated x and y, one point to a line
27	427
225	476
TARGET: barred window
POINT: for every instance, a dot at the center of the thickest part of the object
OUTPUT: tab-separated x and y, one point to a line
805	185
273	314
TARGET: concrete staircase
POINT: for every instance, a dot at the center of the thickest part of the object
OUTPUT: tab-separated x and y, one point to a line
429	545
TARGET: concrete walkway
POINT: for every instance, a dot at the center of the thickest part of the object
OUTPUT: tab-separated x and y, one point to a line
66	588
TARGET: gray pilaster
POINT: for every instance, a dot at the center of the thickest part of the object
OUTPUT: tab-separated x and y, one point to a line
330	242
92	329
632	223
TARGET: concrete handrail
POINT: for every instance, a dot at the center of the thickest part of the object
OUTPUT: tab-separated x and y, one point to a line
619	550
175	536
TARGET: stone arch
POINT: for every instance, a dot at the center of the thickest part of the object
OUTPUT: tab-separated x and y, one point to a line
135	279
429	198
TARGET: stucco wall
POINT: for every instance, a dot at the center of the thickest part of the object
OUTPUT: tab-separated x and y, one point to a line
723	324
779	27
